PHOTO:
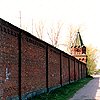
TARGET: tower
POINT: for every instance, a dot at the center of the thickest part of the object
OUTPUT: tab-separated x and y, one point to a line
78	50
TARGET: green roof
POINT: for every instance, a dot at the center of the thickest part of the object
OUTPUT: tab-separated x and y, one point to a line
78	40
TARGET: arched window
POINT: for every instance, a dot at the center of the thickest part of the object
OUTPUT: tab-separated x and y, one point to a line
82	59
79	58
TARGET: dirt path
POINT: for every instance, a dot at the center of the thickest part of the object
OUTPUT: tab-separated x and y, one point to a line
91	91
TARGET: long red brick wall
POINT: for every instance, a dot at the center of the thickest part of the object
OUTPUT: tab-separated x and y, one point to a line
34	66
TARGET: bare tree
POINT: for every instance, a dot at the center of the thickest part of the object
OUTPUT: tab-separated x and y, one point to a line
72	31
54	34
72	35
39	28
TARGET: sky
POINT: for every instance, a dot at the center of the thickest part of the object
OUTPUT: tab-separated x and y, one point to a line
84	13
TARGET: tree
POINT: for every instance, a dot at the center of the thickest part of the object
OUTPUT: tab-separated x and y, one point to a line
54	34
72	35
39	28
91	59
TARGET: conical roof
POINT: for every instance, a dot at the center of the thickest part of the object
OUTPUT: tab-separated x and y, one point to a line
78	40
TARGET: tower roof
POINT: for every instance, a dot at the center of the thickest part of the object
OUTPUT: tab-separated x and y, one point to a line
78	40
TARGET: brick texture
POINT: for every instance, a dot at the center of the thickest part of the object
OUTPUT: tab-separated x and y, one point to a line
8	61
53	67
33	64
71	69
37	71
65	69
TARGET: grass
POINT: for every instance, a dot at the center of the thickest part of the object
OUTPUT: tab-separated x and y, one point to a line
65	92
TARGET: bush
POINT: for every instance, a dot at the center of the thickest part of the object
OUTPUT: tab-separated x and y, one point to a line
89	76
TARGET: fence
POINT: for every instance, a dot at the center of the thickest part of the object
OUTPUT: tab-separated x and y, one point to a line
30	66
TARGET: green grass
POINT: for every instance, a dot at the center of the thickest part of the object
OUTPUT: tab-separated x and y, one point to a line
65	92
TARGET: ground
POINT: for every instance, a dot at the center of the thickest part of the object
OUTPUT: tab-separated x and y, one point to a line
91	91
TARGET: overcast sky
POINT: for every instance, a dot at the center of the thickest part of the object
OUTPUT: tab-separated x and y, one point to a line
85	13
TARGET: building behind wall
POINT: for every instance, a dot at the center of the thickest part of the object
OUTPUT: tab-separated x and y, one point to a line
78	49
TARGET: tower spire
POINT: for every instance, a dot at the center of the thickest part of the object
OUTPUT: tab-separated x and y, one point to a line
78	40
78	50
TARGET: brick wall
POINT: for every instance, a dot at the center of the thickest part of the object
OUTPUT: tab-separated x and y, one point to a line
80	70
65	69
53	67
8	60
72	69
33	64
43	67
76	69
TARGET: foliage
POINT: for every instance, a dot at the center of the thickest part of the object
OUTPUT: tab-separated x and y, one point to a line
91	59
63	93
97	71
